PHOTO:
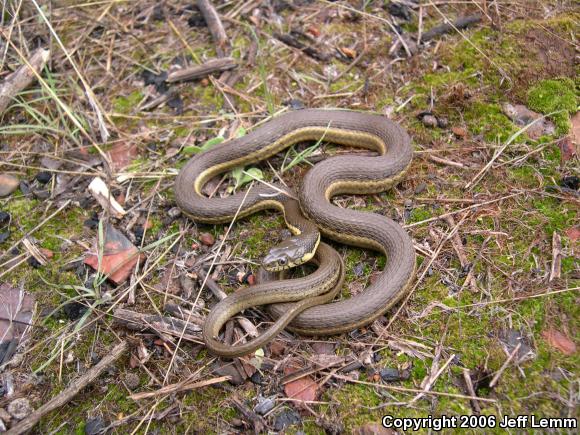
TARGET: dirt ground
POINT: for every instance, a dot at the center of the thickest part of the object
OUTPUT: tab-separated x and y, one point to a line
490	326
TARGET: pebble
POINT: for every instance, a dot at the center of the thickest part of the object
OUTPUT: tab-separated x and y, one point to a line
8	184
429	121
19	408
43	177
132	381
95	426
286	418
265	405
207	239
174	212
421	187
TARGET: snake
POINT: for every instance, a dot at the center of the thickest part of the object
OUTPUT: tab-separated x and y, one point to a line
338	175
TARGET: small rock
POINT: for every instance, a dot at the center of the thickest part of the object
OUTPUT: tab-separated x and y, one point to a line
572	182
359	269
174	212
442	122
19	408
4	218
4	236
399	10
2	426
429	121
265	405
421	187
294	104
459	131
95	426
132	381
43	177
8	184
286	418
389	374
207	239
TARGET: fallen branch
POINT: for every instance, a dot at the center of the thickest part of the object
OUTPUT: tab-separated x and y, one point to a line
203	70
163	325
22	78
70	392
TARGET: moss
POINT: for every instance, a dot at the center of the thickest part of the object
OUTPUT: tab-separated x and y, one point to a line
125	105
548	96
489	120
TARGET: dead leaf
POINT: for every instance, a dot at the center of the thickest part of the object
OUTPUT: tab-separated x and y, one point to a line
314	31
567	148
573	233
119	256
304	388
277	348
123	153
16	310
348	52
559	341
324	347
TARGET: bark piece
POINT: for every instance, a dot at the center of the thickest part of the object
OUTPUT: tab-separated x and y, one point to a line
22	78
203	70
214	23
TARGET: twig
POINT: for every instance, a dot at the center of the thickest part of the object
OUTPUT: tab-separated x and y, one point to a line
447	162
22	78
555	270
214	24
471	390
203	70
499	151
504	366
179	387
71	391
160	324
460	23
411	390
451	213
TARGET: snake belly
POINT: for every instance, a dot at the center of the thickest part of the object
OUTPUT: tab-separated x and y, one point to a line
336	175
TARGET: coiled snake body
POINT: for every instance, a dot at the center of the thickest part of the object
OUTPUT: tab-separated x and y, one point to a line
334	176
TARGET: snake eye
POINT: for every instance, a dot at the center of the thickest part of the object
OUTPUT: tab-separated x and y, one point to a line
282	261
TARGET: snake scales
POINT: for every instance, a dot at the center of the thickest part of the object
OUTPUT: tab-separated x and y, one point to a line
334	176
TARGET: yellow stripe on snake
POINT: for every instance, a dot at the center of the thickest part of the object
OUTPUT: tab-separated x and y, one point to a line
305	305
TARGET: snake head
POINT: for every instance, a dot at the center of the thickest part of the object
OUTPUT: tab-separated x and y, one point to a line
287	254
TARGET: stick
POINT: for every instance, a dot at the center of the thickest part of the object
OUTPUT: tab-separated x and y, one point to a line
203	70
71	391
179	387
471	390
441	29
504	366
160	324
214	23
556	269
22	78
